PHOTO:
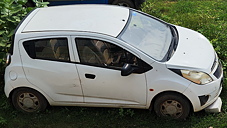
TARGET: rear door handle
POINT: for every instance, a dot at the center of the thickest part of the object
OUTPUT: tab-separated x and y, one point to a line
90	76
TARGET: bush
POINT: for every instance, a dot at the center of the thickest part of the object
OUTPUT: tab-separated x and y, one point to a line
12	12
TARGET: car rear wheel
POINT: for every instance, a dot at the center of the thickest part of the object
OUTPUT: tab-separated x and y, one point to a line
172	105
125	3
28	100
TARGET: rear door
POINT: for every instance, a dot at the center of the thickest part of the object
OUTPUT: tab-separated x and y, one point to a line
47	65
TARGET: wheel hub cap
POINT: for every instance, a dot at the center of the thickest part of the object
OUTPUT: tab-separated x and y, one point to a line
171	109
28	102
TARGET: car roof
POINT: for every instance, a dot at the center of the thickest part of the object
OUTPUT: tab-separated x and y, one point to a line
104	19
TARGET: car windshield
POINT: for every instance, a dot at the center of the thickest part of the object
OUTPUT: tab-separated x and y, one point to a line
149	35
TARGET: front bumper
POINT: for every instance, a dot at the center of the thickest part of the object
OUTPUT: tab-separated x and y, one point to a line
215	107
211	90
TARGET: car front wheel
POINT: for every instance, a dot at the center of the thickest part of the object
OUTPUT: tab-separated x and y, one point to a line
172	105
28	100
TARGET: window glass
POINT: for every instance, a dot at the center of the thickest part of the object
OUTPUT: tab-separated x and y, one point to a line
50	49
148	35
101	53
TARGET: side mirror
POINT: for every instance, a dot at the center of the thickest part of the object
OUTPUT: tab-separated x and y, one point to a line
127	69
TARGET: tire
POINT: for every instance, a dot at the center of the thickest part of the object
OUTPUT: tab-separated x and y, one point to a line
125	3
28	100
172	105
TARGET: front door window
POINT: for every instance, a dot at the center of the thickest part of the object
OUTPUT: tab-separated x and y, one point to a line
101	53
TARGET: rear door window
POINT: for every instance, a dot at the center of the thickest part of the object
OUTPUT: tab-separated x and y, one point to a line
48	49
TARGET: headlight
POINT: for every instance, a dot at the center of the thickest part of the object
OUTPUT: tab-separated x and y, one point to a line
196	77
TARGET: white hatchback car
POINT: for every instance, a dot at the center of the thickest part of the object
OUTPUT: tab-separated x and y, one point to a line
111	56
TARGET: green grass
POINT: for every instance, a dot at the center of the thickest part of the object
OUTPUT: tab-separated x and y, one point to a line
206	16
83	117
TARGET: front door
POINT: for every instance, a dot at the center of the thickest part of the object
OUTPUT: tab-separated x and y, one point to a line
100	74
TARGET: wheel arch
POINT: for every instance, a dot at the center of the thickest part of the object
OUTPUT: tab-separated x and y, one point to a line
41	93
169	92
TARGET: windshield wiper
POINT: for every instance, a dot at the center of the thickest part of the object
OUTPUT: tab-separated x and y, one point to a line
174	43
175	36
171	49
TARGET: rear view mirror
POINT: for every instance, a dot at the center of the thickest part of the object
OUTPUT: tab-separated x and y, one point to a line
127	69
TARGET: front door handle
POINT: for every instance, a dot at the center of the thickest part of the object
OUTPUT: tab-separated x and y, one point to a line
90	76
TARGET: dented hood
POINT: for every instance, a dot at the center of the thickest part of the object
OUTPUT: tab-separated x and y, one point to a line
194	52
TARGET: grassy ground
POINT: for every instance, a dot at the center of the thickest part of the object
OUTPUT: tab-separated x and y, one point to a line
83	117
206	16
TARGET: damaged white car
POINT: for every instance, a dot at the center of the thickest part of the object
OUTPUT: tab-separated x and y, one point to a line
111	56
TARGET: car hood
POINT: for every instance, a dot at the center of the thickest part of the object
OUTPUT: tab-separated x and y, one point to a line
194	52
